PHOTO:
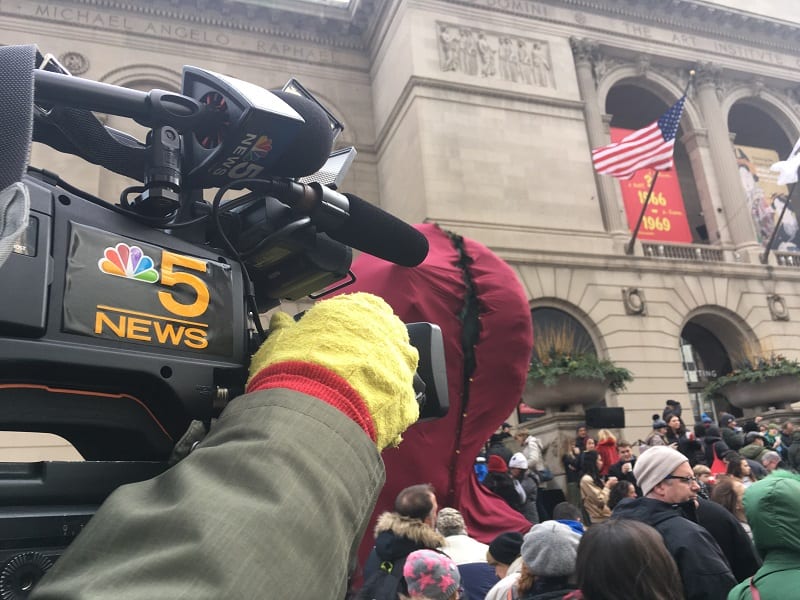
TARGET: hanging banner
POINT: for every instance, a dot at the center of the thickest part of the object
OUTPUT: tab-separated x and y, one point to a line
765	198
665	219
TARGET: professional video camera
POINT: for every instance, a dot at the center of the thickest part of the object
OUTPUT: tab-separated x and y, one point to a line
122	323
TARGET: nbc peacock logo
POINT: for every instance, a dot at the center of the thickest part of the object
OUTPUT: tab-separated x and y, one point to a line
130	262
260	149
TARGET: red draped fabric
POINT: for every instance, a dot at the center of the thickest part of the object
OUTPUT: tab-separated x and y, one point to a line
442	452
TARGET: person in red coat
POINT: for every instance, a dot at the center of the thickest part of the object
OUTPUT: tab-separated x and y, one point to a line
607	448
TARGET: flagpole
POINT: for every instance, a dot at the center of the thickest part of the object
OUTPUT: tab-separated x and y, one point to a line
765	255
629	245
632	241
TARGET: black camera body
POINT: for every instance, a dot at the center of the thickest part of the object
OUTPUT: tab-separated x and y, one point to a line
116	362
121	324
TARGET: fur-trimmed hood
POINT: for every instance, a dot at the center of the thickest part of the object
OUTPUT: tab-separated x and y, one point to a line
397	536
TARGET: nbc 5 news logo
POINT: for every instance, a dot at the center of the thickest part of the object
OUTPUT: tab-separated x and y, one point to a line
177	273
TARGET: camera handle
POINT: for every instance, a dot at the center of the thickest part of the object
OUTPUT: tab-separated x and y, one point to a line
151	109
167	113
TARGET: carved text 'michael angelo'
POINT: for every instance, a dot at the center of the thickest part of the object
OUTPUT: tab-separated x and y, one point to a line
120	22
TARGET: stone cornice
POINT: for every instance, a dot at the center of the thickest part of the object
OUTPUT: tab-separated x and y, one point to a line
352	27
303	22
691	16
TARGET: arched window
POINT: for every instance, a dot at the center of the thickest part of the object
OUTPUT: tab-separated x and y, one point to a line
633	107
759	142
555	330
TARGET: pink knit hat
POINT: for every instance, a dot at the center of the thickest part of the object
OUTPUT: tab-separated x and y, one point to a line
431	574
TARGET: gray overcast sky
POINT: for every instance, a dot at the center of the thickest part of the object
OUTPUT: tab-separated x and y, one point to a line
785	10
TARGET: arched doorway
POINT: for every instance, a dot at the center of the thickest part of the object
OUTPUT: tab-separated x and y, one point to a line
711	340
632	107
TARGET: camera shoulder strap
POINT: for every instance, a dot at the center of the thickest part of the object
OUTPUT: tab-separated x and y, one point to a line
16	100
16	129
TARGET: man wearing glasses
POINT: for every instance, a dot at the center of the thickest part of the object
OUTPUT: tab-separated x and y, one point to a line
669	489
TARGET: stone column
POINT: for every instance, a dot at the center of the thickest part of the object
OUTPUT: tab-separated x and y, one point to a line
733	200
611	206
696	144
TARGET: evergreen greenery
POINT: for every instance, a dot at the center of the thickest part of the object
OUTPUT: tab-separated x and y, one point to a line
555	354
754	370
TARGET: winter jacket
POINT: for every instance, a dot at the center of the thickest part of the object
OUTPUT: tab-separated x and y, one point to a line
686	444
772	506
502	484
653	439
733	540
754	452
704	570
615	470
571	467
783	449
734	439
501	589
548	588
477	576
692	449
793	454
207	527
715	449
477	579
464	549
595	500
396	537
533	450
531	487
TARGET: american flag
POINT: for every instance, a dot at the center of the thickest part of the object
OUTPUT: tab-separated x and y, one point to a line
651	146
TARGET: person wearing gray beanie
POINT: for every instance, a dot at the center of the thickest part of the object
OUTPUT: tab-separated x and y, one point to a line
549	551
656	464
670	490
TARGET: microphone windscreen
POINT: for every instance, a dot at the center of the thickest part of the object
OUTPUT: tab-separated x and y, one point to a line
377	232
311	148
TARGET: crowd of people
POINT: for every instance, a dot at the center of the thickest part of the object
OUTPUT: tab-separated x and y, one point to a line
705	514
253	500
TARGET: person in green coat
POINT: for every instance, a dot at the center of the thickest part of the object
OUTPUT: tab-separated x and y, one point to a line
756	446
274	501
772	506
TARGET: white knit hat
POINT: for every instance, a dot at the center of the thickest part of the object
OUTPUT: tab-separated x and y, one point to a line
653	466
518	461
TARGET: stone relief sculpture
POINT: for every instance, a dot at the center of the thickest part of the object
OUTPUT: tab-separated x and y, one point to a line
486	55
480	53
542	72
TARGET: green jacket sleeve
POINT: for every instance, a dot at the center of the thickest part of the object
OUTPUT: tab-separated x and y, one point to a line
274	501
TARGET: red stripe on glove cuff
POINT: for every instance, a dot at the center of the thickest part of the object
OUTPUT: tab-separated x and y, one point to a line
317	381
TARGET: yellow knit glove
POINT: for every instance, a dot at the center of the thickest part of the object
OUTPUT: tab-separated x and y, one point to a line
358	337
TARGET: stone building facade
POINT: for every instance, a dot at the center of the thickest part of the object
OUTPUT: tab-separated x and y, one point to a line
481	115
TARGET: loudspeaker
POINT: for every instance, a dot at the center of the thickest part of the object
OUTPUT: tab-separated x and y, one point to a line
605	417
